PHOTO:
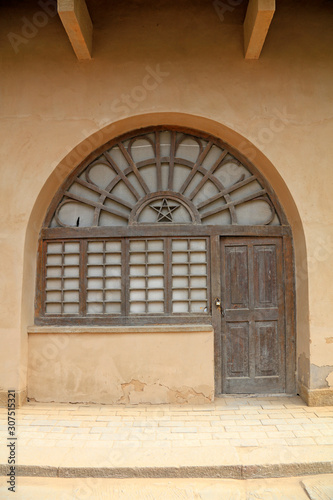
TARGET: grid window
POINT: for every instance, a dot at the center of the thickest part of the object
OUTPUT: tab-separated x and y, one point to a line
125	277
189	276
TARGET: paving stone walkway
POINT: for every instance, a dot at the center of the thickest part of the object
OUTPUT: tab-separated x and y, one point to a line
237	437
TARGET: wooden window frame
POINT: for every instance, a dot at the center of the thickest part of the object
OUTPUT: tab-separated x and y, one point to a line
135	232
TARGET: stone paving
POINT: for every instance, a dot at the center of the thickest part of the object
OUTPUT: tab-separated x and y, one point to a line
232	431
231	422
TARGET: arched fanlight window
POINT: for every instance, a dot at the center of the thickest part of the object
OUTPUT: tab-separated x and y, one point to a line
128	233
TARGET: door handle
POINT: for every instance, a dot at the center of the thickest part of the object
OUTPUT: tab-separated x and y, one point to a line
218	304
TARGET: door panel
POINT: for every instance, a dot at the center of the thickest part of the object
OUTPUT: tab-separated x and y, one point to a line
252	323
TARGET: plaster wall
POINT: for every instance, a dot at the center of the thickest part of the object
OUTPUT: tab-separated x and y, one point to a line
159	62
170	366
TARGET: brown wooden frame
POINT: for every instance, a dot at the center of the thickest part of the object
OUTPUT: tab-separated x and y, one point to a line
134	230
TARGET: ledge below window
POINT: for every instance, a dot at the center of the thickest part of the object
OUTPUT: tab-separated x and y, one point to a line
121	329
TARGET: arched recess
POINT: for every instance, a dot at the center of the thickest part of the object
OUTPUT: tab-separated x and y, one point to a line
234	144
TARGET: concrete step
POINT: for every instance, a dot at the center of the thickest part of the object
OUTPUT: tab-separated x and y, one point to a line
197	462
300	488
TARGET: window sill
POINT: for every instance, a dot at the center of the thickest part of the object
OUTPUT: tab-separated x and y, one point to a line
121	329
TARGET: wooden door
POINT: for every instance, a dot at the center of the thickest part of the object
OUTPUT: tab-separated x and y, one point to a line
252	316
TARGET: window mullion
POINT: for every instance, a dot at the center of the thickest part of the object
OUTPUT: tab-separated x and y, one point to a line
125	295
83	278
168	276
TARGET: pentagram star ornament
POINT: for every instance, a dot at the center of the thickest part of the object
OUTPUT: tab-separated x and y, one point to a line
164	211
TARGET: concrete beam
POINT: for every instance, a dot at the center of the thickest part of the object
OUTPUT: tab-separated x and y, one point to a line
78	25
257	21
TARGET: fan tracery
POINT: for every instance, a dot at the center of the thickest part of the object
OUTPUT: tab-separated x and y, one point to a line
204	182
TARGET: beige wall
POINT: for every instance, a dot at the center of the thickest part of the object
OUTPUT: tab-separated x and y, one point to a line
161	365
277	111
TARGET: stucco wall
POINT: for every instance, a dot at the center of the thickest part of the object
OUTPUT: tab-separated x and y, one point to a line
157	62
122	365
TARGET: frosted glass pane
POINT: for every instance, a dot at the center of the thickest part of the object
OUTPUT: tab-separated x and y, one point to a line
155	283
198	282
113	271
113	283
254	212
198	257
53	296
188	149
72	259
136	184
94	283
122	191
193	184
53	308
94	308
72	247
245	191
107	219
181	282
179	269
198	294
71	308
231	173
113	258
53	272
95	271
137	295
179	244
101	175
94	296
137	270
72	272
179	257
118	157
156	307
139	283
137	246
71	296
155	258
180	294
198	307
142	150
53	284
165	176
222	218
54	248
138	258
198	244
155	245
112	308
71	284
198	269
95	259
137	308
207	191
69	213
113	295
155	294
95	246
83	192
213	155
54	260
113	246
149	176
165	141
180	307
180	174
155	270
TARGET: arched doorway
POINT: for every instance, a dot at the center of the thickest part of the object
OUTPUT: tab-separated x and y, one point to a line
170	225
